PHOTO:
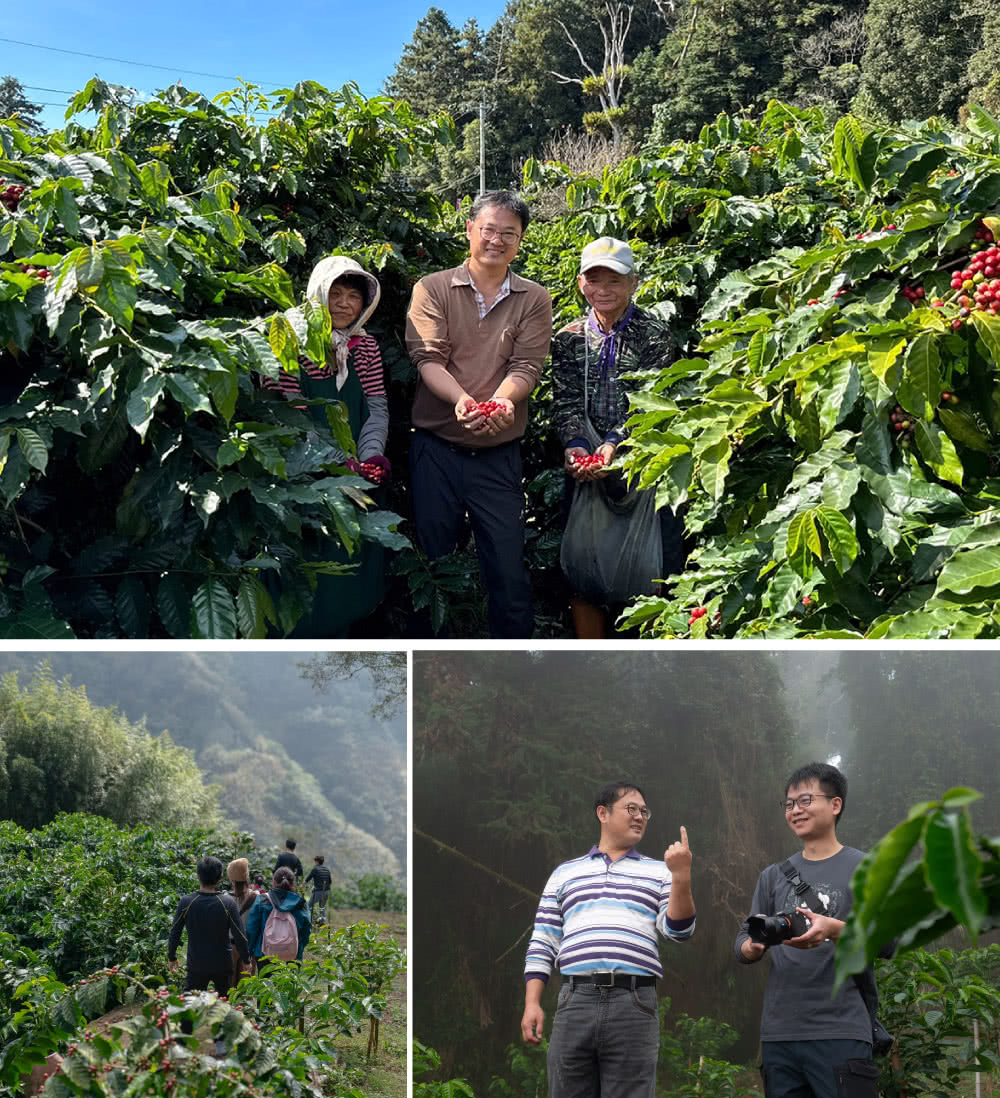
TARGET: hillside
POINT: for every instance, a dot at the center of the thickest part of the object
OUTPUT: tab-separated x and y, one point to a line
289	758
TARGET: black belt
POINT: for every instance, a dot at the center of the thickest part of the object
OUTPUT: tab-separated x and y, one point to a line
611	979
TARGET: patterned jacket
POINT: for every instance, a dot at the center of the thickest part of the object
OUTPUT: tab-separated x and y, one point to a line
645	344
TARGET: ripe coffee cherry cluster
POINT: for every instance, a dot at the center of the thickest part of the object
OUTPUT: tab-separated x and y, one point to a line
977	286
372	471
11	195
983	236
902	422
913	293
39	272
490	407
588	461
696	613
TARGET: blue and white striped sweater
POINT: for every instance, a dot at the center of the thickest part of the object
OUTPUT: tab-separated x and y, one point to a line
596	915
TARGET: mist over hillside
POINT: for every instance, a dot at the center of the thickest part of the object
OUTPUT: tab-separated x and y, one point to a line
290	759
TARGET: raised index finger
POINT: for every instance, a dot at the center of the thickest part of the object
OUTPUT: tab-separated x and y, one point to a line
684	835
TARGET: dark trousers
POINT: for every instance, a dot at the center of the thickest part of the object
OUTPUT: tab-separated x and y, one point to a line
449	481
604	1042
199	981
320	898
819	1069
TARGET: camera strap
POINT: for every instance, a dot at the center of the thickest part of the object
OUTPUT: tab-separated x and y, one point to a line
806	896
804	892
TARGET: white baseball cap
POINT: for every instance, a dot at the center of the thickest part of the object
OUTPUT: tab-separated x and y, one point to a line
605	251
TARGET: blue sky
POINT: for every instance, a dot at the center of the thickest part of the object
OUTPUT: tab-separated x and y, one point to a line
278	43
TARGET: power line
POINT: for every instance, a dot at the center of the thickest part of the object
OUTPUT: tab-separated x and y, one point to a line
143	64
36	88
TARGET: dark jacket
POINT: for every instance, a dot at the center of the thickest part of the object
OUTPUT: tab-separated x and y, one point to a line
322	876
286	857
210	918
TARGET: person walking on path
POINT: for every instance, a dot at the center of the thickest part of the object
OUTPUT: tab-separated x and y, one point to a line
290	858
238	872
281	897
598	921
212	921
478	335
322	880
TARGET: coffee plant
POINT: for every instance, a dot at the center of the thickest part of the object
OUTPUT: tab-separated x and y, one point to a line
942	1009
88	907
370	892
830	427
86	894
152	270
954	881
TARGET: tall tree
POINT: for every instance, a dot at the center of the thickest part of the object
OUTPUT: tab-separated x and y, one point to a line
984	66
60	753
549	37
728	55
605	82
386	670
916	62
431	75
444	69
15	104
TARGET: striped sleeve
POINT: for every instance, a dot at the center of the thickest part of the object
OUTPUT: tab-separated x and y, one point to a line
368	364
677	930
288	384
543	948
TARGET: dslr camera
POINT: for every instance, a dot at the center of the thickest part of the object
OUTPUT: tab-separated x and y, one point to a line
769	930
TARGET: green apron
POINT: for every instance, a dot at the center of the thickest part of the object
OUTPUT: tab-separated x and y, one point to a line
339	601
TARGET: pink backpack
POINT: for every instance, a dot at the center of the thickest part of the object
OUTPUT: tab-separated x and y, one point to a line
281	935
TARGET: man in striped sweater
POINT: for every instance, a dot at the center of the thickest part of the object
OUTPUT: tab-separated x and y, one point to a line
597	921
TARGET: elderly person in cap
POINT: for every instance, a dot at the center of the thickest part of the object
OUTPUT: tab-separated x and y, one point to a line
615	337
353	375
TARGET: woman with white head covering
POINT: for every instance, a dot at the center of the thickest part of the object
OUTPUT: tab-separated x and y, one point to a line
352	374
353	371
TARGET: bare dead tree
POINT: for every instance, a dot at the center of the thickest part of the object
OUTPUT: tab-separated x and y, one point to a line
667	10
843	42
607	83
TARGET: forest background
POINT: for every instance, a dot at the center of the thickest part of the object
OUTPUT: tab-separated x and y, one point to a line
509	749
271	743
653	71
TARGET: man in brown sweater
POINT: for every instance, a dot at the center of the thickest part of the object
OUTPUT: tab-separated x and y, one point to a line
478	334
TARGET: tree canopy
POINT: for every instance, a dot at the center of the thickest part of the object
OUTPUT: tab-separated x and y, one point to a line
61	753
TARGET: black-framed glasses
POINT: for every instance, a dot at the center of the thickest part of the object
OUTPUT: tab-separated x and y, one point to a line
803	800
507	236
637	810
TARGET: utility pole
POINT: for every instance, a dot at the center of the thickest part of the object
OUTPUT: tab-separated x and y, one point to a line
482	142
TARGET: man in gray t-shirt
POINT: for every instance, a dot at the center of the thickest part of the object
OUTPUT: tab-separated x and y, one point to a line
814	1044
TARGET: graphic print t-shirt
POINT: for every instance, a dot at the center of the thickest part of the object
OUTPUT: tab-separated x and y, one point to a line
797	1003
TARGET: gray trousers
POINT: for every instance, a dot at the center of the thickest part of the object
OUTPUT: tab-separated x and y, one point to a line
604	1042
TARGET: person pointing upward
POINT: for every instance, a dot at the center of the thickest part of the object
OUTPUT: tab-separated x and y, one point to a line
597	921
